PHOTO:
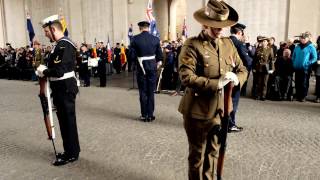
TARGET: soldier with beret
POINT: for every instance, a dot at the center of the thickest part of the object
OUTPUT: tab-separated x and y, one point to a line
60	71
207	63
145	49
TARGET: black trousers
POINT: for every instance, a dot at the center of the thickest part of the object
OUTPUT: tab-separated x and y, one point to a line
65	104
301	83
147	85
318	86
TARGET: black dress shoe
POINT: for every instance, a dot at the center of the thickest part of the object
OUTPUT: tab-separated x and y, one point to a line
61	155
152	118
142	118
63	159
60	161
72	159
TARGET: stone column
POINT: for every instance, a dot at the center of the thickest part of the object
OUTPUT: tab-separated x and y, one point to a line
15	22
173	20
3	36
120	21
75	26
304	16
161	13
193	25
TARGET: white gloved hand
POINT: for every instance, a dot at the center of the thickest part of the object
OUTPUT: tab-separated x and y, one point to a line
223	81
270	71
226	78
40	70
159	64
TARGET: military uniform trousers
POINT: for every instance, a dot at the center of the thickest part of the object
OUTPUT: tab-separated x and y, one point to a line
147	86
65	104
102	71
203	136
262	83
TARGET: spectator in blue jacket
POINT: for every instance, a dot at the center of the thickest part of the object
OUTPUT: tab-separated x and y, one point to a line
304	55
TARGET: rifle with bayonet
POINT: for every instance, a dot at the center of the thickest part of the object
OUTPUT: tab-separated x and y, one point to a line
225	115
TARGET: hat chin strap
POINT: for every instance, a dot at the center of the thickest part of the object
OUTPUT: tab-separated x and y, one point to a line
53	39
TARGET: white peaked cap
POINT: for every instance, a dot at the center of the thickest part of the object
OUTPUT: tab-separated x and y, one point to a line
49	20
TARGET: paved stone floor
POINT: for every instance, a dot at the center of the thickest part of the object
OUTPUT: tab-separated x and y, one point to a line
280	141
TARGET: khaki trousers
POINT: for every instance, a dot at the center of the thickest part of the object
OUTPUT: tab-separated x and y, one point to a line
203	147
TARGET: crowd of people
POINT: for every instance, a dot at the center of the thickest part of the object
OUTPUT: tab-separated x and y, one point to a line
279	73
273	68
284	73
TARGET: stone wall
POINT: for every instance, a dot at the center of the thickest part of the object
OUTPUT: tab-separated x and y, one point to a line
90	20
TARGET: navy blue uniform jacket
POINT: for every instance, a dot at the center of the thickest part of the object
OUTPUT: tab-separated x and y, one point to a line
145	44
243	52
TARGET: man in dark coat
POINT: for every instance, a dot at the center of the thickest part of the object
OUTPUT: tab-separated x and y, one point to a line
145	48
117	60
84	72
102	69
236	36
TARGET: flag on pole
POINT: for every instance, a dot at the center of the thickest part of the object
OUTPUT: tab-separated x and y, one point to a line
184	28
123	57
109	51
130	32
64	25
153	24
30	29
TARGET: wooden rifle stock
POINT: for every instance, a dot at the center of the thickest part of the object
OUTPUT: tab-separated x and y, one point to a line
45	107
224	127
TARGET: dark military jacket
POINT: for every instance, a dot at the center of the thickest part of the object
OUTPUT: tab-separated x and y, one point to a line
62	60
243	52
84	61
200	67
145	44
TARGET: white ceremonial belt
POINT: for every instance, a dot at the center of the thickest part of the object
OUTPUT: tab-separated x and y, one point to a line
65	76
145	58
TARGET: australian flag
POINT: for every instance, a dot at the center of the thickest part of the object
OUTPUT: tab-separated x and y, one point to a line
153	24
30	29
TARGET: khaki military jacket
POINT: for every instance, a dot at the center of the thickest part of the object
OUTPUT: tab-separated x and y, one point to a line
200	67
38	59
264	60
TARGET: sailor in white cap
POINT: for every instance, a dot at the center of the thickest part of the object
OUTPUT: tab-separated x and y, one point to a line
60	71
